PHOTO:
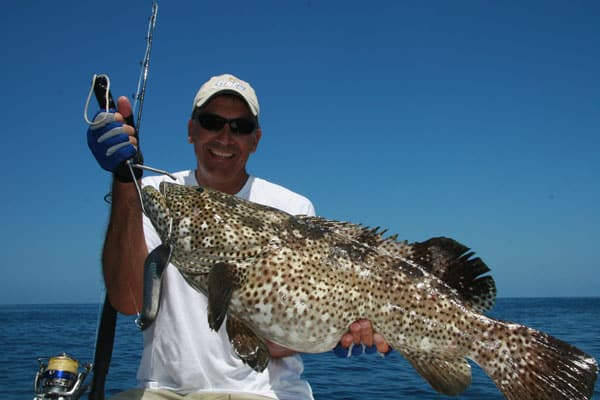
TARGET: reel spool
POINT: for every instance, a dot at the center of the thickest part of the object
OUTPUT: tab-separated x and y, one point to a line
60	378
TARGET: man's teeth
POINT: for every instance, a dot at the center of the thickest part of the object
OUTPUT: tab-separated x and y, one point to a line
221	154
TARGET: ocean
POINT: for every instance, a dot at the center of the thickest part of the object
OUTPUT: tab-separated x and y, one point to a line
31	331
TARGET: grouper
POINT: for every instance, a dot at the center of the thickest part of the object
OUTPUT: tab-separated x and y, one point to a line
301	281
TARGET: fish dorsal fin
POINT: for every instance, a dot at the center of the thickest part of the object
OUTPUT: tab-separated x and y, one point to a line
447	377
372	237
347	229
250	348
396	248
454	264
445	258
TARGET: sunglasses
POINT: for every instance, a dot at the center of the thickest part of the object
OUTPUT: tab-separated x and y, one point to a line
214	122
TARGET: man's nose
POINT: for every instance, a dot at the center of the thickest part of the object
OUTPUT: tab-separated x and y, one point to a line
225	135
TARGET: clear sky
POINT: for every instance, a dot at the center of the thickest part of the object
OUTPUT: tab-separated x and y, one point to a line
477	120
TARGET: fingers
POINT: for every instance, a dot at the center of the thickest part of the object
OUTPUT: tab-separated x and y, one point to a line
355	331
354	335
108	141
366	332
361	332
124	106
124	110
347	340
382	346
113	141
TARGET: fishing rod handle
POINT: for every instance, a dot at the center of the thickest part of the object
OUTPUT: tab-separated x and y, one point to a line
104	96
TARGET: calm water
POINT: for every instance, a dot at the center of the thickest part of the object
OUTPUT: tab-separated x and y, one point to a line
31	331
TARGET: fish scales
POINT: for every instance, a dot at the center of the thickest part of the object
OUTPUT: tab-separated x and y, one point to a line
301	281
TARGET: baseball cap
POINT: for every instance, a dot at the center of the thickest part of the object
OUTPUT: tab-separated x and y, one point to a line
227	83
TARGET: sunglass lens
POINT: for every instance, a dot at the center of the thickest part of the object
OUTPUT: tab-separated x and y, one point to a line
242	125
211	122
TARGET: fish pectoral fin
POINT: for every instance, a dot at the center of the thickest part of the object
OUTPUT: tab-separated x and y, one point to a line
250	348
447	377
221	285
154	266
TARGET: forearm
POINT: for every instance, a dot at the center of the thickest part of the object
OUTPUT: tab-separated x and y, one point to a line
124	250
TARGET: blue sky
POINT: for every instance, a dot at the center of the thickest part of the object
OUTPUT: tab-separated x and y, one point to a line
477	120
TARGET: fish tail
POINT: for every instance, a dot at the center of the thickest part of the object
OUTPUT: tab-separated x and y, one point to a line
527	364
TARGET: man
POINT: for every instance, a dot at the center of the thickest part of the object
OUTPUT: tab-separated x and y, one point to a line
181	354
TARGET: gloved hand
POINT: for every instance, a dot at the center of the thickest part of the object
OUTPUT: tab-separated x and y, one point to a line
111	147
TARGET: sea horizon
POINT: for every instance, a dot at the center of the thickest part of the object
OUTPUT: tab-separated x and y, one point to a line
497	298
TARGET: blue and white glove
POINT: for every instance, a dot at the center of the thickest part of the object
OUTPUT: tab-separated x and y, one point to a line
111	147
356	350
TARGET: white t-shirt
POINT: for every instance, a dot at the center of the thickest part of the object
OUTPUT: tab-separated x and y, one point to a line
182	354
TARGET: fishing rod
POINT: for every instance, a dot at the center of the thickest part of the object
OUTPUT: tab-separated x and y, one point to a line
143	79
106	328
62	377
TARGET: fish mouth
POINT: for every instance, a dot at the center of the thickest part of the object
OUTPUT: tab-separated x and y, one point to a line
157	210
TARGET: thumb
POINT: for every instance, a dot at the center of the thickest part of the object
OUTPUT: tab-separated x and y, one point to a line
124	106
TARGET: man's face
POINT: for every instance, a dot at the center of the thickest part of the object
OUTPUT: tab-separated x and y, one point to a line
222	155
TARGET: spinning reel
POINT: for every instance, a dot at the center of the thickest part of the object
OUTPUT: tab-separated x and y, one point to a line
60	378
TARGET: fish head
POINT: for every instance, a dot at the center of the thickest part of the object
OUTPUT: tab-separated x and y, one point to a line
156	209
204	226
171	203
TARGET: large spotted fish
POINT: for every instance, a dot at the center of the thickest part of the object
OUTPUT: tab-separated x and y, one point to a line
301	281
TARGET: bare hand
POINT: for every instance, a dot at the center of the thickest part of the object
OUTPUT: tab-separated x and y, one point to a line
123	111
361	332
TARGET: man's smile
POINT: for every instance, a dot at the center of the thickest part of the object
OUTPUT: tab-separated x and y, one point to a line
220	153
